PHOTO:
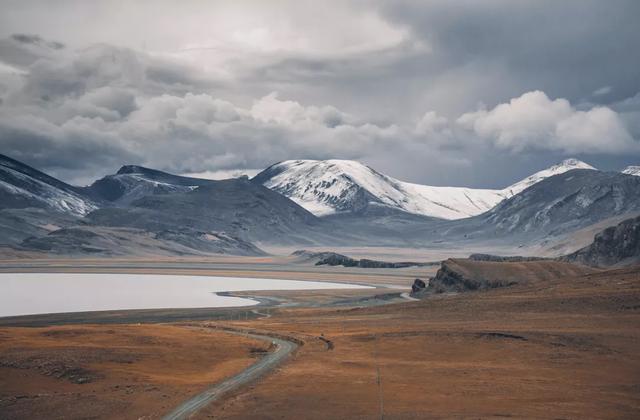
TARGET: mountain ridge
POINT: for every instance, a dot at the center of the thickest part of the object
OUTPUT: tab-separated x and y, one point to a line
22	186
336	186
132	182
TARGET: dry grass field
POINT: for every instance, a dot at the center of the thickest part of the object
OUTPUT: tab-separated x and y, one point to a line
562	343
563	347
113	371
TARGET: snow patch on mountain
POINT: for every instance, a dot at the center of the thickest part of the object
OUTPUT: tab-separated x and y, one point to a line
632	170
39	193
133	182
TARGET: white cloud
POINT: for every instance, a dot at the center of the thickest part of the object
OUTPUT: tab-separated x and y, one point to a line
270	109
535	122
83	113
431	123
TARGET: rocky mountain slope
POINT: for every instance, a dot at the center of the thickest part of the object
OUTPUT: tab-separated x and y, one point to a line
564	166
39	213
33	203
343	186
236	206
615	246
19	224
22	186
133	182
566	202
538	216
104	241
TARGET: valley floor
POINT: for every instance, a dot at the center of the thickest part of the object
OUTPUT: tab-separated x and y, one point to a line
565	347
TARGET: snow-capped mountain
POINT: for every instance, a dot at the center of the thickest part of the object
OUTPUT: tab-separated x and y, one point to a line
631	170
564	203
133	182
335	186
21	186
564	166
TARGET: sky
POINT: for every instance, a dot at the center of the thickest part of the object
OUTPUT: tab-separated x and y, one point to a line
465	93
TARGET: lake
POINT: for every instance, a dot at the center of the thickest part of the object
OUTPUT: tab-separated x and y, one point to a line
41	293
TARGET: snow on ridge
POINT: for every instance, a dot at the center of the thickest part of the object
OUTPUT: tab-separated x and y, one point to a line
330	186
325	187
48	195
632	170
564	166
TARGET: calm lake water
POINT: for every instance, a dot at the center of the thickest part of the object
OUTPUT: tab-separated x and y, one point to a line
41	293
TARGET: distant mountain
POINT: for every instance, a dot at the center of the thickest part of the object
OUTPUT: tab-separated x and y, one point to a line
19	224
236	206
22	186
567	201
631	170
133	182
39	213
343	186
556	206
615	246
562	167
184	215
106	241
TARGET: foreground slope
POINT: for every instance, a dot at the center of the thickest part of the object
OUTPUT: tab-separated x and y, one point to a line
562	347
555	346
339	186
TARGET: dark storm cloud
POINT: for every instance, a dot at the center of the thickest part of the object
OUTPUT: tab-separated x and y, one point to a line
464	52
568	49
37	40
103	65
75	148
449	93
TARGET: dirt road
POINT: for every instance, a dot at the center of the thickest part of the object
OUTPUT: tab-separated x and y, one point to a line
264	365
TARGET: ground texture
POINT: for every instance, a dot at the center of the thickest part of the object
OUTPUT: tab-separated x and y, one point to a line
564	347
560	342
115	371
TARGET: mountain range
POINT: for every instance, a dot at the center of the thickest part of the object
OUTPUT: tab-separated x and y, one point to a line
338	186
325	203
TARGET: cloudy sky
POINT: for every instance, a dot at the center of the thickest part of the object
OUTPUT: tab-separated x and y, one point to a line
476	93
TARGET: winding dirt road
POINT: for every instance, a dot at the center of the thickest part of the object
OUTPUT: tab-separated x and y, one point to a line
283	349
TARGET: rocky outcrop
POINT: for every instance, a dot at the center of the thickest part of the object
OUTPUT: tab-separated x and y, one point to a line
462	275
453	278
418	286
498	258
333	259
615	246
